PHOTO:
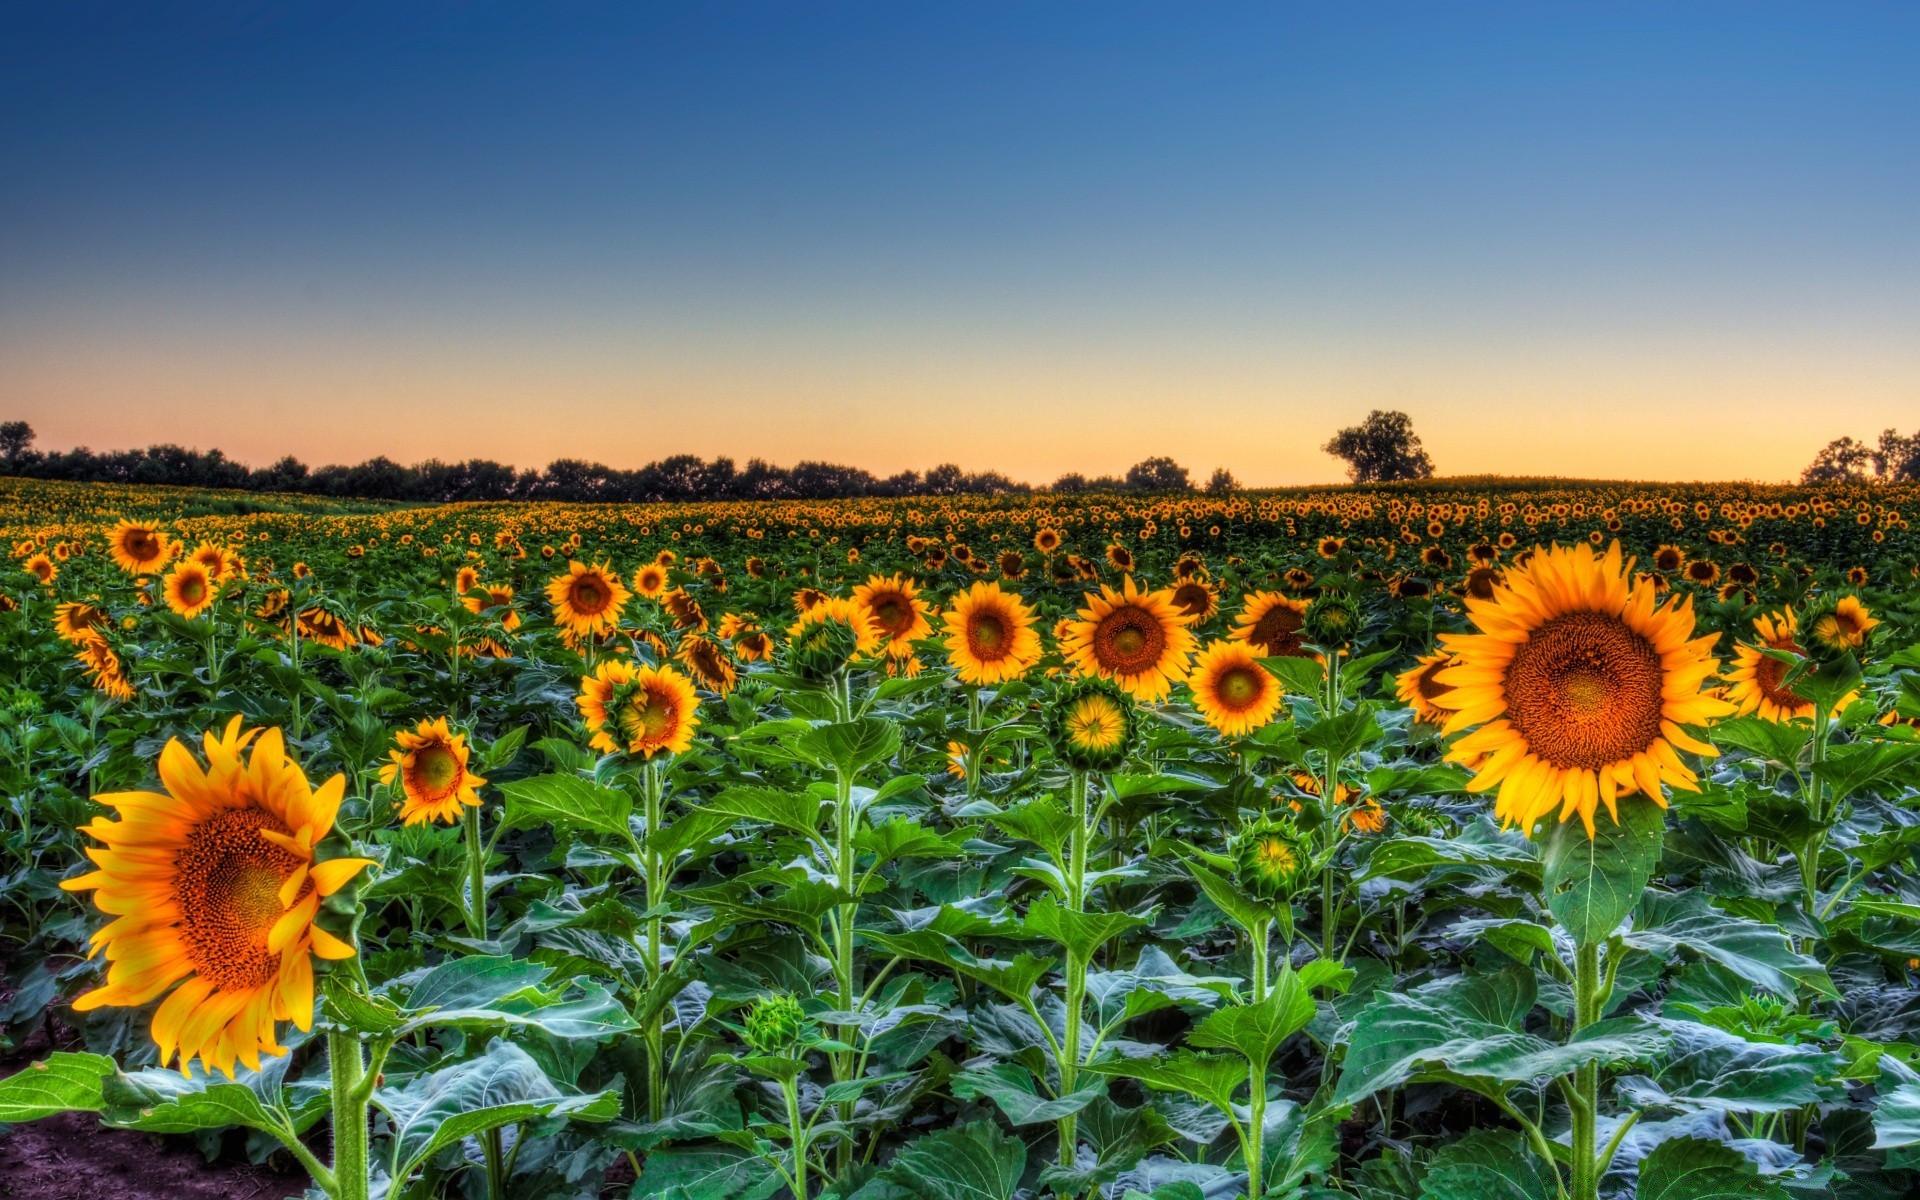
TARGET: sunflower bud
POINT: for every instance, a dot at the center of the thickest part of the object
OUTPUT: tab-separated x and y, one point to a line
1092	725
1331	620
775	1025
1836	630
819	649
1270	860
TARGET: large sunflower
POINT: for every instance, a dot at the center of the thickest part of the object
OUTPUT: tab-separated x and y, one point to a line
190	589
431	764
138	547
215	885
1137	639
73	619
587	600
1234	693
1754	681
1420	691
897	610
990	635
1580	687
639	709
1271	622
495	596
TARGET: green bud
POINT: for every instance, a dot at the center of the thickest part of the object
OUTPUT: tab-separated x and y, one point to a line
1092	725
1270	860
775	1025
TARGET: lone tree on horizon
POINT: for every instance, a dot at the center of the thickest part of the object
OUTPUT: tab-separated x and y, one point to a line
1381	448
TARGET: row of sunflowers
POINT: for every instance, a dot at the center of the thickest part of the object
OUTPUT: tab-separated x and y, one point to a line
1526	839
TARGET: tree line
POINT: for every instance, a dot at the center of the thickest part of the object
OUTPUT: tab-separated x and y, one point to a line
1896	459
1382	448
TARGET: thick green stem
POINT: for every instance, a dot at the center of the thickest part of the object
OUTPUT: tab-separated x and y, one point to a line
350	1174
476	875
797	1133
1585	1099
654	802
843	940
1076	898
1262	930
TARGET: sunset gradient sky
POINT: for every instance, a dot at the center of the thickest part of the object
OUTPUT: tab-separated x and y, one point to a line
1673	240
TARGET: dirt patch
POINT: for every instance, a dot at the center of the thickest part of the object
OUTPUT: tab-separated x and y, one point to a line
70	1157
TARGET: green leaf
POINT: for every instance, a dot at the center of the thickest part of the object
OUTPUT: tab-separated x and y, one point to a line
1242	909
1301	676
1591	884
1485	1165
1211	1078
503	1087
973	1162
473	982
1690	1168
850	746
796	812
1012	1089
161	1101
1665	923
1896	1118
1080	933
1707	1069
59	1083
566	802
1849	769
1480	844
705	1173
1780	743
1257	1030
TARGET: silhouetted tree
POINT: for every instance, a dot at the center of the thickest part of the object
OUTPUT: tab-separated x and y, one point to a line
16	440
1158	475
1221	482
1846	460
1381	448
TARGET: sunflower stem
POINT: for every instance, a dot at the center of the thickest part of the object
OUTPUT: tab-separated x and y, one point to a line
1585	1106
476	875
1076	965
656	881
350	1174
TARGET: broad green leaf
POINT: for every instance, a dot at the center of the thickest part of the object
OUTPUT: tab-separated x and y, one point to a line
1257	1030
565	803
1211	1078
1299	675
474	982
705	1173
1486	1165
973	1162
502	1087
1480	844
1080	933
1664	923
161	1101
1707	1069
1778	742
1896	1118
1242	909
1696	1169
1012	1089
1863	765
1591	884
850	746
796	812
1516	938
61	1082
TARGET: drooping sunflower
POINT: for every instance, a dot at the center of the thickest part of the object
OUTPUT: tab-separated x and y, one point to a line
216	885
1842	627
72	619
990	635
1271	623
1418	689
190	590
106	670
1580	687
1234	693
465	580
706	660
686	612
587	599
650	580
639	709
1754	680
494	598
1197	598
138	547
897	610
1137	639
431	765
323	625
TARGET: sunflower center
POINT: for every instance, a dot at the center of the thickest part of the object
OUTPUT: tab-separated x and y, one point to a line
1094	724
436	769
1584	691
647	718
891	614
227	882
1129	641
1768	672
588	597
1277	630
1239	687
987	633
142	545
1192	598
192	590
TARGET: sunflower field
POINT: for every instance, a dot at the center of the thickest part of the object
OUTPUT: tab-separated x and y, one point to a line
1467	840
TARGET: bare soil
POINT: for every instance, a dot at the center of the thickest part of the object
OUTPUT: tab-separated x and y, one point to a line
70	1157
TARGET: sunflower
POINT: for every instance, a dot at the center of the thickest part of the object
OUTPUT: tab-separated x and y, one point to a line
41	567
1331	546
1046	540
1419	690
1843	627
1271	622
1013	564
1234	693
216	559
465	580
1580	687
1092	725
322	625
496	596
956	760
587	600
650	580
990	635
753	645
190	590
1120	557
1137	639
105	669
1754	681
138	547
1364	817
431	764
706	660
72	619
1703	572
897	610
686	612
1270	860
216	885
639	709
1196	598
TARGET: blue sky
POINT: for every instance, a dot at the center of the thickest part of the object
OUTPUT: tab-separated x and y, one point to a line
1659	241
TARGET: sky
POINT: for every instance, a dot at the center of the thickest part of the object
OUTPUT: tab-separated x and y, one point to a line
1624	240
